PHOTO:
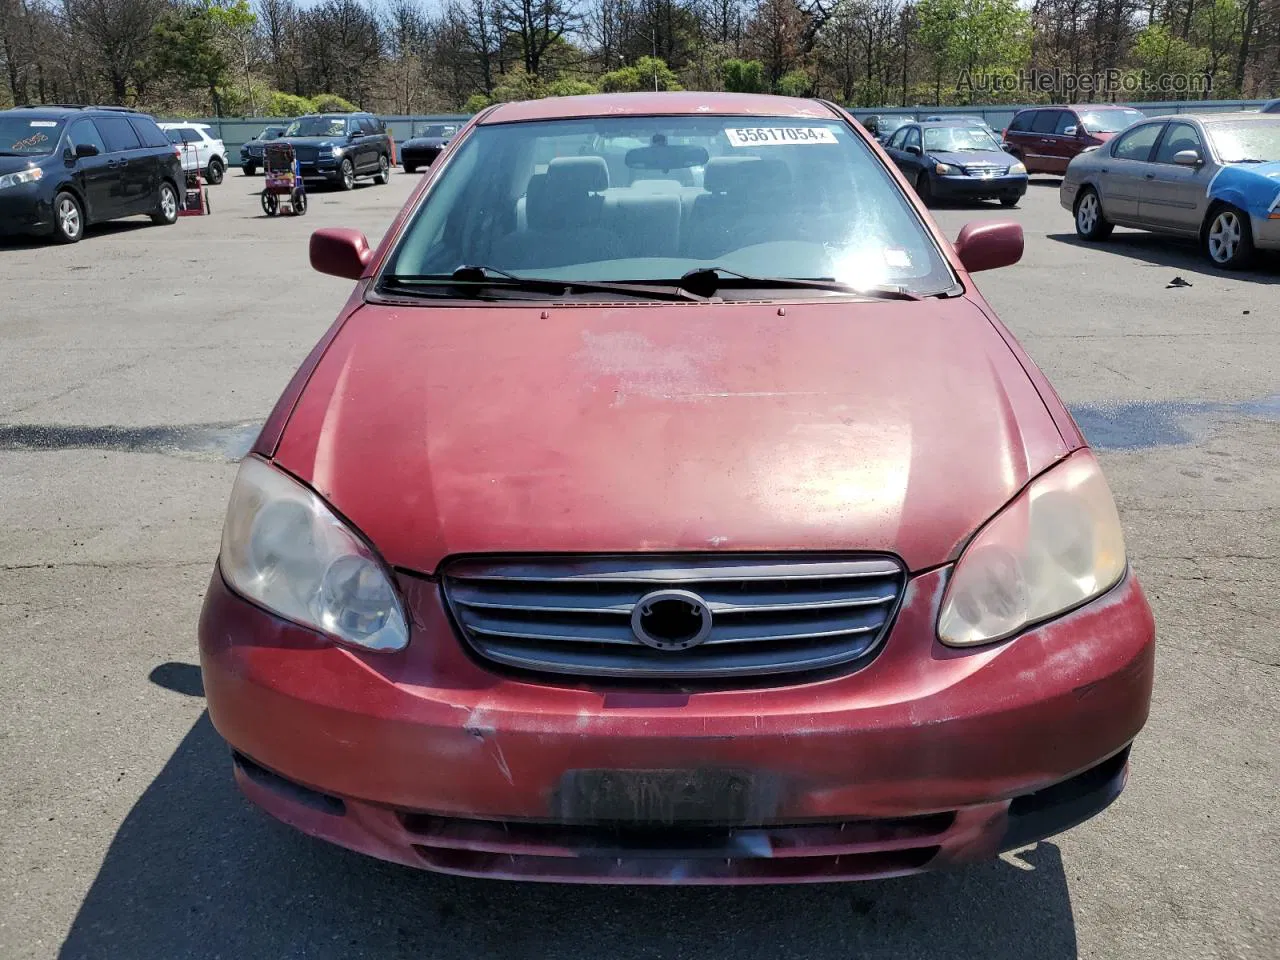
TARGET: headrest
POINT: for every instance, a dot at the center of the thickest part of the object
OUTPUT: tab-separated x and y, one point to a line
578	175
738	174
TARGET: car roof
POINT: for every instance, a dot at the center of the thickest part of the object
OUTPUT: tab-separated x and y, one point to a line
177	124
951	122
684	103
65	110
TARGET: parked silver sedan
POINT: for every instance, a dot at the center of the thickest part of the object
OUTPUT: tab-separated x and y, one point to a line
1215	177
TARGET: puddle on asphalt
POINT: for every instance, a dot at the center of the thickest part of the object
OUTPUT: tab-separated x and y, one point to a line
217	441
1137	426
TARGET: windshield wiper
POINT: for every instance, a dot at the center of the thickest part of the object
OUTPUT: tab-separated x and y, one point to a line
705	281
474	276
1245	160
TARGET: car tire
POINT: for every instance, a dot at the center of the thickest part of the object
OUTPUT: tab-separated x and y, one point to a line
68	218
249	169
166	211
347	175
215	171
924	189
410	168
1090	223
383	176
1009	202
1228	237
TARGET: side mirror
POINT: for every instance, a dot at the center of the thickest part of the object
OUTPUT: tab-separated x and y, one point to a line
1187	158
86	150
988	245
1071	131
913	149
340	252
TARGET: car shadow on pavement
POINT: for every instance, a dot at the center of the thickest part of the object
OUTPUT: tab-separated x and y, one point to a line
1176	254
194	871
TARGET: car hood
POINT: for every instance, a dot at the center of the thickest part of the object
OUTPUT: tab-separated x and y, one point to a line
314	141
968	157
882	426
14	164
426	142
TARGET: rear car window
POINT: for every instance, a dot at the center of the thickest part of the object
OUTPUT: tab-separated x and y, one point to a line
1046	121
1137	143
27	136
147	131
1022	121
652	197
117	133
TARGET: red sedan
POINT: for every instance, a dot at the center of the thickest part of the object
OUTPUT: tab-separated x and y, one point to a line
667	506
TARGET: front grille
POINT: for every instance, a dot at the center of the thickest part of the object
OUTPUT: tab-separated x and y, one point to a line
985	169
768	614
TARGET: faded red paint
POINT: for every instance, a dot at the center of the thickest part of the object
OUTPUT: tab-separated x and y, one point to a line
901	427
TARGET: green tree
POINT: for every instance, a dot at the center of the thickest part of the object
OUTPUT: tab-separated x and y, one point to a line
186	45
743	76
795	83
236	28
648	73
1158	51
565	87
970	38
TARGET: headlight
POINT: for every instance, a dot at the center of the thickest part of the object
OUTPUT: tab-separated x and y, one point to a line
945	169
1056	546
283	548
1018	167
336	151
29	175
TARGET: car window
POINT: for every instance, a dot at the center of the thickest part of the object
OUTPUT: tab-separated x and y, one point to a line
913	137
27	136
1177	137
84	133
763	196
956	139
147	131
1046	121
1111	120
1137	143
369	126
1022	121
316	127
191	136
1249	141
899	139
117	133
1065	119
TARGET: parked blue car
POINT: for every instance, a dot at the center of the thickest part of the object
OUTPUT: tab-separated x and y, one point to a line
957	160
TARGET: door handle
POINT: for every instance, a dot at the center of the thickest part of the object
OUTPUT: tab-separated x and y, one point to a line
1104	170
1150	176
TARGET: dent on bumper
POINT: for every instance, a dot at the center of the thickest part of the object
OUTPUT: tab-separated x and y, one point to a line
428	744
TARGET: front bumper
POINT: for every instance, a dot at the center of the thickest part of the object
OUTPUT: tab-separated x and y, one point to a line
974	188
1266	230
24	209
322	168
928	756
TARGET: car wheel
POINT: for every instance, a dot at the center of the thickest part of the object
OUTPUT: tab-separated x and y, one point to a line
1009	201
215	171
68	218
1228	238
410	168
1090	223
249	169
383	175
347	175
166	211
924	189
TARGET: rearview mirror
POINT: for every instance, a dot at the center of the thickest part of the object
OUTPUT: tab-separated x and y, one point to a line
86	150
912	148
1187	158
666	157
986	246
340	252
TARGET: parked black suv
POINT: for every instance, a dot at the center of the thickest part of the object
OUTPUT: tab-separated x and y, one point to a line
339	147
64	167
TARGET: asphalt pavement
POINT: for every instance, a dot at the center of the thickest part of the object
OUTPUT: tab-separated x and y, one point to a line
134	370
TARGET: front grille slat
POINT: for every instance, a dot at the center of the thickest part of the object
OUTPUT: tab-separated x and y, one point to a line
770	614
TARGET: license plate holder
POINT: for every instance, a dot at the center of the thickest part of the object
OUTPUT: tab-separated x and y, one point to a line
706	795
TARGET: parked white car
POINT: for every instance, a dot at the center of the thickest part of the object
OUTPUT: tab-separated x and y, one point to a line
200	149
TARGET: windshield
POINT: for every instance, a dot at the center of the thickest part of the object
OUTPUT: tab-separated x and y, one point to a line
28	136
317	127
958	139
270	133
1109	121
652	198
438	131
890	124
1255	141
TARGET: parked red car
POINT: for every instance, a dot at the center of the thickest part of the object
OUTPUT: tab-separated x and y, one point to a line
1046	138
667	506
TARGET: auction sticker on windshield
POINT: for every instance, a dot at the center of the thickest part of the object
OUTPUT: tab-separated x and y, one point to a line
772	136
